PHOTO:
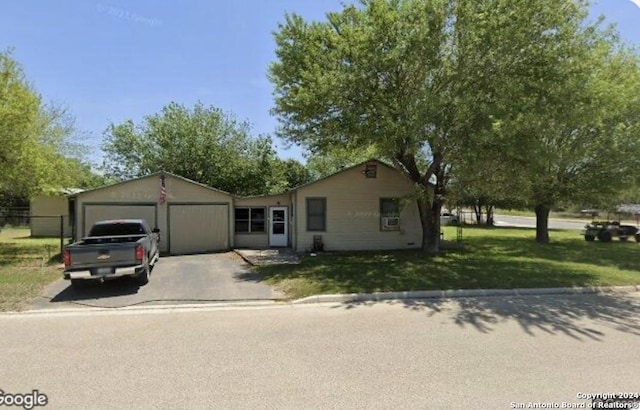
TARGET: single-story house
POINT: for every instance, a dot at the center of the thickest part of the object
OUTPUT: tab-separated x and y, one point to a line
49	213
365	207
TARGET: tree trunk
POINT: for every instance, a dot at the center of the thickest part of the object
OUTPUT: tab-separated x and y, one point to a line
489	209
542	223
478	211
430	218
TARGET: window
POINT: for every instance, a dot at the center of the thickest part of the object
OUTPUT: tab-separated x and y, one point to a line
250	220
389	214
316	214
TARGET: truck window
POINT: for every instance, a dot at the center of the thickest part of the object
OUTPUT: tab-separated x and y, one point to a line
117	229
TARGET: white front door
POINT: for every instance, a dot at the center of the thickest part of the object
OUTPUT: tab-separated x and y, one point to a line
278	226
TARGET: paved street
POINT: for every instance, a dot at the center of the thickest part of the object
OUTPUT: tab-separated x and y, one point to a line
530	222
465	353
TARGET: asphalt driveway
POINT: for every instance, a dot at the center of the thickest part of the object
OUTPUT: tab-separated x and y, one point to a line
176	279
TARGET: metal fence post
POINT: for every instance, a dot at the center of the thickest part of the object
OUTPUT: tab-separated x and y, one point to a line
61	234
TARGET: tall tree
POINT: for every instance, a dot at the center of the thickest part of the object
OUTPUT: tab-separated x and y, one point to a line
430	82
19	117
579	133
40	146
200	143
374	76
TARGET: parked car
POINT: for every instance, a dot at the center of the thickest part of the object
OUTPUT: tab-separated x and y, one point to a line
447	218
113	249
606	231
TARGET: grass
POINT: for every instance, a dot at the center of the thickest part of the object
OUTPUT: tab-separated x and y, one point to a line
493	258
26	266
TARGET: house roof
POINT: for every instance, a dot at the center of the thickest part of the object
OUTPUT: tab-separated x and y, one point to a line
344	170
237	196
152	175
63	191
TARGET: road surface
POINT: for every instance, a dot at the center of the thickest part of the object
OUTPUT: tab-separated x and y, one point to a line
530	222
492	353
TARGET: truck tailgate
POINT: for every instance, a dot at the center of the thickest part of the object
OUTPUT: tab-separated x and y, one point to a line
119	254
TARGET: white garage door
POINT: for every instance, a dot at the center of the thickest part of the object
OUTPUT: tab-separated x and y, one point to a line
198	228
95	213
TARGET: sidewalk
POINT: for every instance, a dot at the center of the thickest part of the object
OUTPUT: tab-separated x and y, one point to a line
264	257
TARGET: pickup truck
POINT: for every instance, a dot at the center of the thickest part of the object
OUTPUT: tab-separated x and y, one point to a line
113	249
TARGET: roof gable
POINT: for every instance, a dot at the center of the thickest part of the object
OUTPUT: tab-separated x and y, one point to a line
343	170
155	174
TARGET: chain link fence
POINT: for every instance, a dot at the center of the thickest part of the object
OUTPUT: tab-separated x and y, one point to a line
39	226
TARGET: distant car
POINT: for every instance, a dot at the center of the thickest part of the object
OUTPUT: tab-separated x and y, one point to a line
447	218
590	212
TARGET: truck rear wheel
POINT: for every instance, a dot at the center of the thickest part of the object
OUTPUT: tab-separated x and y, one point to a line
142	278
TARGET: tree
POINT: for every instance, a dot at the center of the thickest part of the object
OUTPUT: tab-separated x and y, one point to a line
19	117
40	147
375	76
429	83
580	131
293	174
403	76
322	164
200	143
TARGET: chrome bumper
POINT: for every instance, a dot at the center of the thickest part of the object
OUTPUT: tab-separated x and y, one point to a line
117	272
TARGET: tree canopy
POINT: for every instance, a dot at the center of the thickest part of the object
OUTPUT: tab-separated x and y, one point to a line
438	85
40	146
201	143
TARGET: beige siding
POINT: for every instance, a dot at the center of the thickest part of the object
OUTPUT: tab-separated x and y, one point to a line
46	211
198	228
251	240
261	240
353	211
95	213
147	191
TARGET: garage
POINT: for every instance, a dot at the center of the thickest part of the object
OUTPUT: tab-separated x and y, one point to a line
100	212
192	217
198	228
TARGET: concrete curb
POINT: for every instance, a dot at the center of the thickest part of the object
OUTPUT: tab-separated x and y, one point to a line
461	293
145	308
323	299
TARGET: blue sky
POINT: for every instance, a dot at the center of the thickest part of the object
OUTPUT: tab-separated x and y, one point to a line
108	61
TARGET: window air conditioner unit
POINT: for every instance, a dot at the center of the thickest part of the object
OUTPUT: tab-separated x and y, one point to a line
390	222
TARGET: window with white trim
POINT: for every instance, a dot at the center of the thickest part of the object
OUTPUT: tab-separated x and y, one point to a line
250	220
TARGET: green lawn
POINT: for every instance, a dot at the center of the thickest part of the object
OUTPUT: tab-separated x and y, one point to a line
493	258
26	266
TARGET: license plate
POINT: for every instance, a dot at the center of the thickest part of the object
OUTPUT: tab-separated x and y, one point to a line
103	271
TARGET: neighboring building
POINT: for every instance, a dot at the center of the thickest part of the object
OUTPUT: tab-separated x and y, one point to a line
365	207
49	214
